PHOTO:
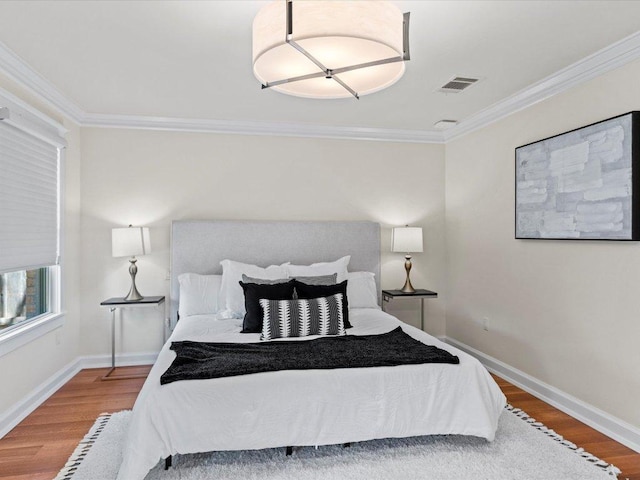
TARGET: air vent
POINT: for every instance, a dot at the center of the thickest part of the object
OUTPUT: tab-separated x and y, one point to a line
458	84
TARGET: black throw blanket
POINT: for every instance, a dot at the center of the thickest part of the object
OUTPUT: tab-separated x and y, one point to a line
200	360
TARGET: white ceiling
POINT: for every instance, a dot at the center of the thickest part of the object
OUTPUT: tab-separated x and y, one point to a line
192	59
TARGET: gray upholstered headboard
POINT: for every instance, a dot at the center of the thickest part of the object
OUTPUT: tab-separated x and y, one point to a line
199	246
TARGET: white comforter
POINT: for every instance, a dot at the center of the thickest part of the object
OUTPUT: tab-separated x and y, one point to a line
305	407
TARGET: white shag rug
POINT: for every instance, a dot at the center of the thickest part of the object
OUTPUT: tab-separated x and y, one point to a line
523	449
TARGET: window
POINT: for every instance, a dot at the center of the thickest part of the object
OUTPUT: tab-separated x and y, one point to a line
31	148
23	295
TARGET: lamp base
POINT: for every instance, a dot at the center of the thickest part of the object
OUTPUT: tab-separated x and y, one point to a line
408	288
134	294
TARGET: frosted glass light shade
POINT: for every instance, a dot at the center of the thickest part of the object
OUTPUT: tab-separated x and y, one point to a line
338	34
407	240
130	241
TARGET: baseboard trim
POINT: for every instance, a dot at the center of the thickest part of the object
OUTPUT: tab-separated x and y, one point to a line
33	400
122	360
605	423
18	412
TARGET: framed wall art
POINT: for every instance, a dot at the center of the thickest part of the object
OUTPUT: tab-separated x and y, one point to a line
581	185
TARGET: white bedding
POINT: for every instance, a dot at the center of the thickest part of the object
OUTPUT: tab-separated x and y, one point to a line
305	407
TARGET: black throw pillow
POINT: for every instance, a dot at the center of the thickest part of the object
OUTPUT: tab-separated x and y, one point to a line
315	291
253	292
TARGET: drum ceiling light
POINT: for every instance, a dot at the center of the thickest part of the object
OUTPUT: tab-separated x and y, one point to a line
329	48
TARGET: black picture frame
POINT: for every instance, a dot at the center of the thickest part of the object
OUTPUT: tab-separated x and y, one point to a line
580	169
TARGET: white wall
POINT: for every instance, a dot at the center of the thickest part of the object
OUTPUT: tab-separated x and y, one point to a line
565	312
151	178
28	367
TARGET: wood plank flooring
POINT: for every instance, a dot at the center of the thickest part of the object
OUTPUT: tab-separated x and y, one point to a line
577	432
41	444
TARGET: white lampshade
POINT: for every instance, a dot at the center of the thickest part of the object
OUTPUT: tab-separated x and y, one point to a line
407	240
130	241
338	34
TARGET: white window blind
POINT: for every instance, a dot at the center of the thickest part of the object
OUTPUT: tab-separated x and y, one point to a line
29	213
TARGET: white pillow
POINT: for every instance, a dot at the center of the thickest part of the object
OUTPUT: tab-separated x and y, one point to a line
231	294
198	294
361	290
317	269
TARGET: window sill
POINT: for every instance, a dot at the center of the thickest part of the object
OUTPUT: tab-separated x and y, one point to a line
24	334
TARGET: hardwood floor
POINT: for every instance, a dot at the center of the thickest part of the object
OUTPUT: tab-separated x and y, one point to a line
577	432
40	445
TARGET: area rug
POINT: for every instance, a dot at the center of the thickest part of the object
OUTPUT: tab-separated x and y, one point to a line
523	449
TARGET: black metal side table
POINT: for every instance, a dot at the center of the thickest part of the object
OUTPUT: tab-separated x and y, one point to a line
388	295
119	302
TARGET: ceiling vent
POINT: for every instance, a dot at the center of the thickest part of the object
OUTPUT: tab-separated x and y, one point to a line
458	84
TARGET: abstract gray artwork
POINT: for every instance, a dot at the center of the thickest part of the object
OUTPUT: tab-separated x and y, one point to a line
578	185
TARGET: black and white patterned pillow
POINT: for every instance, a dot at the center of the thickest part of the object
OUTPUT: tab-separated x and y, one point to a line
303	317
304	290
253	292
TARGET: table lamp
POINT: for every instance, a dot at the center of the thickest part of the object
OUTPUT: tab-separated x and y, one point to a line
129	242
407	240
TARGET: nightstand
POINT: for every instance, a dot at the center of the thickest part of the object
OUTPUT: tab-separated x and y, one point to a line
420	293
119	303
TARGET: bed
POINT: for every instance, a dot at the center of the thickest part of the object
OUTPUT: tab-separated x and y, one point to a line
292	407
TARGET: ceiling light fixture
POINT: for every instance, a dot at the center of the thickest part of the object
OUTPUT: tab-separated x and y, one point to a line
330	48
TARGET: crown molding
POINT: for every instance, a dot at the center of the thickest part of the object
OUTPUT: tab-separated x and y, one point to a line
17	69
609	58
260	128
14	111
603	61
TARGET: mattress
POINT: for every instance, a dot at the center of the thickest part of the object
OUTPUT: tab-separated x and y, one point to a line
305	407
